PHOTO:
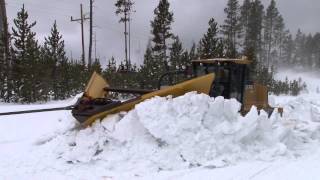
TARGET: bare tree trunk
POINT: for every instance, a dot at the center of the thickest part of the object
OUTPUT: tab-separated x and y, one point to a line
82	36
126	39
90	42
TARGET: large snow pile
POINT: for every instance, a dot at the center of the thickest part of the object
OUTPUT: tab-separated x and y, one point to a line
189	131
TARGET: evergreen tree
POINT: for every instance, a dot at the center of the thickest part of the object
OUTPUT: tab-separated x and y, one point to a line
161	26
32	87
232	27
252	27
25	59
299	46
2	66
245	15
208	45
316	45
270	22
96	66
288	49
186	59
221	49
308	52
78	76
112	65
124	8
150	70
280	34
193	55
5	68
110	73
176	52
64	90
56	64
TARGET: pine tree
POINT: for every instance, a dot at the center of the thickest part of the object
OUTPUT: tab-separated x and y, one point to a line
208	45
56	64
299	46
110	73
316	45
280	34
78	76
231	28
221	49
245	17
9	88
5	68
186	60
270	22
25	59
176	52
96	66
288	49
32	89
193	55
124	8
252	25
245	14
112	65
308	52
150	70
161	26
2	67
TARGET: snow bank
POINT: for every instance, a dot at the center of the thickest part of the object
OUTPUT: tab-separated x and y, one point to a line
189	131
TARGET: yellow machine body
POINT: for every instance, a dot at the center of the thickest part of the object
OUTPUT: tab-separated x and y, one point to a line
214	77
255	95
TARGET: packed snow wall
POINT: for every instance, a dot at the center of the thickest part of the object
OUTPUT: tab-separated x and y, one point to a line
166	133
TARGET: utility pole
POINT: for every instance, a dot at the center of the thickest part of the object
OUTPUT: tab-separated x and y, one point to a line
90	42
125	37
129	21
81	19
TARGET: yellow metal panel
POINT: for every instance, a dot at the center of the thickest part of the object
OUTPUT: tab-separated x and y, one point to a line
201	84
95	86
255	95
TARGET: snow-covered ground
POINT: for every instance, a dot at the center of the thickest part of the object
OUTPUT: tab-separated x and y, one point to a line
189	137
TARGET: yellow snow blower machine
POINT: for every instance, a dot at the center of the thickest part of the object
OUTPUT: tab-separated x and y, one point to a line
215	77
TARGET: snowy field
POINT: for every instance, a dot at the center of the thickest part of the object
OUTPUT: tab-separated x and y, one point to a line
189	137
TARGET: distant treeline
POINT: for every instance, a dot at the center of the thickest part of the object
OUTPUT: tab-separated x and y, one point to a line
31	72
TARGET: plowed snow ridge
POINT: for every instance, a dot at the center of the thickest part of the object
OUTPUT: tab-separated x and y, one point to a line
189	131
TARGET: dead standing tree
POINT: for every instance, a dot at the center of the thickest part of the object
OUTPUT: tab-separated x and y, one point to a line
124	9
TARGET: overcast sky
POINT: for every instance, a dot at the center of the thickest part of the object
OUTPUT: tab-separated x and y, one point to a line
191	18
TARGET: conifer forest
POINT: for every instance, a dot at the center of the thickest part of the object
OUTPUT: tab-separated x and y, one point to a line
33	71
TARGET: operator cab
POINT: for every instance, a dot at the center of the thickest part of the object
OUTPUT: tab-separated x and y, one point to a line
231	76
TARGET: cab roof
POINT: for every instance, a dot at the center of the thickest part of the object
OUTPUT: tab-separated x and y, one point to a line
243	60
